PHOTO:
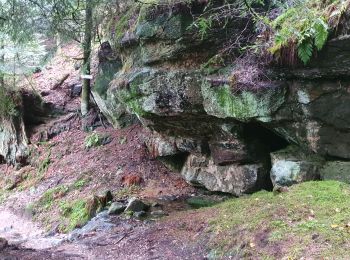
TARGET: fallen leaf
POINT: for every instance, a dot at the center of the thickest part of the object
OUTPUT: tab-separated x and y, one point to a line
334	226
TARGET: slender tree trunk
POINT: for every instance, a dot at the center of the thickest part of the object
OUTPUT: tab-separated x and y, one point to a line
85	95
2	62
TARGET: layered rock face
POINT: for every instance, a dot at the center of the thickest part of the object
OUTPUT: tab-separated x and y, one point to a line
13	140
223	138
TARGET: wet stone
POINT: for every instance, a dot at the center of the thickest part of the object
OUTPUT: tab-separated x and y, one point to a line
116	208
136	205
158	213
140	214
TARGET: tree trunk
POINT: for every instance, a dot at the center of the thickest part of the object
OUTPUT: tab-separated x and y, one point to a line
2	62
85	95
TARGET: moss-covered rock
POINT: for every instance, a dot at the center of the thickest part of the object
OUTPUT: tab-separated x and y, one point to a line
110	106
336	170
150	93
246	105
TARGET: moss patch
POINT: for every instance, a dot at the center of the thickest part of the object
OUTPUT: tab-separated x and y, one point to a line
245	105
74	214
311	219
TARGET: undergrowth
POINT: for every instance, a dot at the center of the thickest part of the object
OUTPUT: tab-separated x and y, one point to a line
8	105
303	28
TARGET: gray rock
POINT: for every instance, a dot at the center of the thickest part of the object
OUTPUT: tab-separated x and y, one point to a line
140	214
136	205
13	140
75	90
158	213
291	166
336	170
3	244
235	179
116	208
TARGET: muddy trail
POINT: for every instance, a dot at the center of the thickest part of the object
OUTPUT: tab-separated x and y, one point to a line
122	165
104	237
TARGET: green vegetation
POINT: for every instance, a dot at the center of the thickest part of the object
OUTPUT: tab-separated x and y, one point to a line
95	140
306	27
74	214
44	164
8	106
312	215
198	202
80	183
48	198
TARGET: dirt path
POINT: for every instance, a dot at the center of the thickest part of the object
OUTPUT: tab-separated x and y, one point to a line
20	231
180	236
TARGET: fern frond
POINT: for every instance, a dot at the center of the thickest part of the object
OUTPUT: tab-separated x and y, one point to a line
305	50
321	33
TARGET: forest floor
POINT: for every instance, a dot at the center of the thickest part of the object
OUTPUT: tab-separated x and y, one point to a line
307	221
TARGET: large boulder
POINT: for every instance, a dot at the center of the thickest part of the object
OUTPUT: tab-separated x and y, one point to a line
291	166
108	65
336	170
235	179
316	116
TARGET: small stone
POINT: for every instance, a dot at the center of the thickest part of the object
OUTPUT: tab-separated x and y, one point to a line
75	90
136	205
158	213
116	208
3	243
139	214
156	205
315	236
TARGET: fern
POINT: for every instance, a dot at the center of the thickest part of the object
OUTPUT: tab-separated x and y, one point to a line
305	50
307	24
321	33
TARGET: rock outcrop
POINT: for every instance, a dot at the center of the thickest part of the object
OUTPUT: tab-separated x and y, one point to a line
13	140
230	136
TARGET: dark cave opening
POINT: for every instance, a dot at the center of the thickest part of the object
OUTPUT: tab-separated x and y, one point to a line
271	140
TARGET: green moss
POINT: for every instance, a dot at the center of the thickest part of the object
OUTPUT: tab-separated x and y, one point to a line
95	140
8	105
80	183
245	105
198	202
308	209
48	198
74	214
132	98
121	25
44	165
